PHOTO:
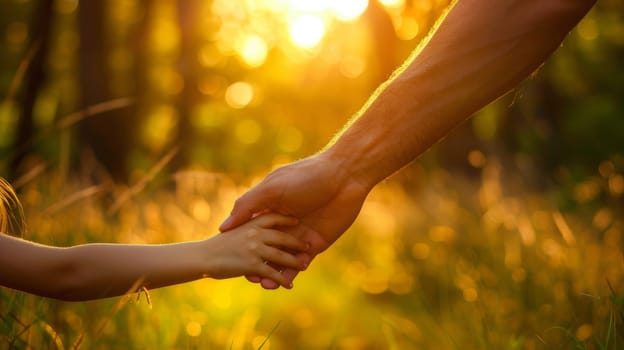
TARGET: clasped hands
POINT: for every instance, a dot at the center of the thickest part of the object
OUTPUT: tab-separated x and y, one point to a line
319	191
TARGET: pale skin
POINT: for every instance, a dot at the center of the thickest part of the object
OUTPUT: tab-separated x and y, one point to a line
93	271
479	52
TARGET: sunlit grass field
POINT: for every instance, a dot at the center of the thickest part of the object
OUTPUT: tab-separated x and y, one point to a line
436	260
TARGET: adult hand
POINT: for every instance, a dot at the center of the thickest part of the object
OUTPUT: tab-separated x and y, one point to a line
317	190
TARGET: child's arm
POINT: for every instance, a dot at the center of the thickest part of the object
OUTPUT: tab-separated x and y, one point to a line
94	271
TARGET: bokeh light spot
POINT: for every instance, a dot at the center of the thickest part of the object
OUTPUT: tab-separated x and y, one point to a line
420	251
588	29
606	168
193	329
476	158
408	29
470	294
616	185
376	282
307	31
392	3
66	7
159	127
352	66
603	218
442	234
209	56
254	51
201	210
239	94
289	139
348	10
164	37
401	283
584	332
309	6
248	131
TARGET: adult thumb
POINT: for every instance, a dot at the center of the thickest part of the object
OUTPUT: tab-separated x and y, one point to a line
244	209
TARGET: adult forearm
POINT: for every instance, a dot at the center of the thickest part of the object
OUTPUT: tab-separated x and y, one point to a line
481	50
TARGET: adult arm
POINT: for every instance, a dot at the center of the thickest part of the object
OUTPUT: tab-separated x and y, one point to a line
480	50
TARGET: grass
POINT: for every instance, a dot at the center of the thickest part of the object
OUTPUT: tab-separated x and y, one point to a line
445	263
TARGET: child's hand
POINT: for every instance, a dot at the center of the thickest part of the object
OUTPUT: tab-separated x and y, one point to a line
252	248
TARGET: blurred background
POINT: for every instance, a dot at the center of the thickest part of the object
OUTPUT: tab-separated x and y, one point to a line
142	121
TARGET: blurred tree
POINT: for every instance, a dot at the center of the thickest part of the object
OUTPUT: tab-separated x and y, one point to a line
33	81
188	67
111	135
569	116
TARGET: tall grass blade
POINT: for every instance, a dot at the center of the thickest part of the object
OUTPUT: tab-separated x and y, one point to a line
269	335
69	200
21	70
140	185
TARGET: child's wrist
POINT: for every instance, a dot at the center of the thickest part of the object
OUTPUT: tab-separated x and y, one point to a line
205	260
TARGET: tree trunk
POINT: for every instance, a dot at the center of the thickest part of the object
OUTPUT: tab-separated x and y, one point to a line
110	134
189	69
33	80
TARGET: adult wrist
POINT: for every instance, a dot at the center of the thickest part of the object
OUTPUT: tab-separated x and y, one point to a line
349	167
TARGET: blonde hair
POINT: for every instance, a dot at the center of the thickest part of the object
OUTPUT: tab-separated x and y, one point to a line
12	220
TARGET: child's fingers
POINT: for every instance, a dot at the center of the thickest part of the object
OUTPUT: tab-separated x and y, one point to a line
267	272
285	240
289	275
253	278
268	283
273	219
279	257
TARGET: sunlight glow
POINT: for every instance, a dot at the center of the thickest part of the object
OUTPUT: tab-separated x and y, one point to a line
348	10
307	31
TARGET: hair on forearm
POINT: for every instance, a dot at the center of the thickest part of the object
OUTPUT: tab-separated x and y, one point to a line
12	220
